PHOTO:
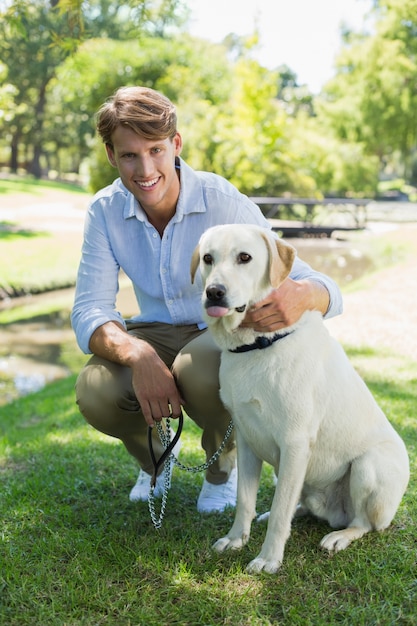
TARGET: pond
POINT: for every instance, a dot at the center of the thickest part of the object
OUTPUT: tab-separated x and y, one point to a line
32	351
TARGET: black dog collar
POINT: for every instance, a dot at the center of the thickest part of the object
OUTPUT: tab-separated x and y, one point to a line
260	343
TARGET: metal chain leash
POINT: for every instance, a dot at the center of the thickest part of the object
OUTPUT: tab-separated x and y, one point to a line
158	519
165	437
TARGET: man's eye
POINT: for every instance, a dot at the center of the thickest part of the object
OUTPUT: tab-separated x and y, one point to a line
208	259
244	257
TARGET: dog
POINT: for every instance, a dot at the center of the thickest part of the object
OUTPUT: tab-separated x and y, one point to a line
297	403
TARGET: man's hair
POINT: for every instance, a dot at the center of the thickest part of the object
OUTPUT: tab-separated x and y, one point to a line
145	111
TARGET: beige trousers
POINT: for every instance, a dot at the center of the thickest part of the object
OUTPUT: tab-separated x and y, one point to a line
106	399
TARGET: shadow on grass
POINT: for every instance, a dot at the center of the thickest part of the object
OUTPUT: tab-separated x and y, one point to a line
74	550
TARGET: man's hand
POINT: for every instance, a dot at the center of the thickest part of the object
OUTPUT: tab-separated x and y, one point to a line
153	383
155	387
284	306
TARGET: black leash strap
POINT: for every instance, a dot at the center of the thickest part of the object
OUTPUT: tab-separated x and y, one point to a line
165	455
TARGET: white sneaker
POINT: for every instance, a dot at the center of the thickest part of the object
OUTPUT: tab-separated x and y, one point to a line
140	492
215	498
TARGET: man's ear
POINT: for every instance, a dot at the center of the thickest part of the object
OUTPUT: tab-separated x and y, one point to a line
195	260
177	140
281	258
110	155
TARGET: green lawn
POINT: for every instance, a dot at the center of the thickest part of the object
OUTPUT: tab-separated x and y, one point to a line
37	260
75	552
34	187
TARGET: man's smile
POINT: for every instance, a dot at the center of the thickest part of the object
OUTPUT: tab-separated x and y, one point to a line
147	184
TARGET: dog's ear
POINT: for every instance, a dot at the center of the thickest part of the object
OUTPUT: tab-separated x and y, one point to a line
281	258
195	260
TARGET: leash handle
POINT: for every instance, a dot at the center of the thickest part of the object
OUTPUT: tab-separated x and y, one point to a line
167	452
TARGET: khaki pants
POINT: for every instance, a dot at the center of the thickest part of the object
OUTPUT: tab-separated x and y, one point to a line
106	399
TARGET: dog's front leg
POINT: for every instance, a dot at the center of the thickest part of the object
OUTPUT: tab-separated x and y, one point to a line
292	470
249	468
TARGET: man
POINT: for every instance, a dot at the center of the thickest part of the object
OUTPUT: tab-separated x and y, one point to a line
147	223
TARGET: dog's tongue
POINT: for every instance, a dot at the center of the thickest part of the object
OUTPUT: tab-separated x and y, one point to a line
217	311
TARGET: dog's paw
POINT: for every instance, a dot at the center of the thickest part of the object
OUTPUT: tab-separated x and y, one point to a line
263	565
228	543
336	541
264	517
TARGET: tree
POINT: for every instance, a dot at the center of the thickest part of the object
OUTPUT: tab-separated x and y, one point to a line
373	98
295	97
250	136
27	49
36	36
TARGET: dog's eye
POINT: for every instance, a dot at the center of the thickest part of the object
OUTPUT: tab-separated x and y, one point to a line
244	257
208	259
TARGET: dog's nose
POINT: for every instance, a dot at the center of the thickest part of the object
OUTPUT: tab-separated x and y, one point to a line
215	292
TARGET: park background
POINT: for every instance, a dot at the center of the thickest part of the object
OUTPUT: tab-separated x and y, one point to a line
73	550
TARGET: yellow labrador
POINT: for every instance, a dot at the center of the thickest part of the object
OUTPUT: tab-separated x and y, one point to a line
297	403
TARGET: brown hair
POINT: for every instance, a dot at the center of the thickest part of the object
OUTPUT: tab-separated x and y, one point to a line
145	111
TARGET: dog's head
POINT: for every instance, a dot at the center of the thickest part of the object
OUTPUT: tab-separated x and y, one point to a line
239	264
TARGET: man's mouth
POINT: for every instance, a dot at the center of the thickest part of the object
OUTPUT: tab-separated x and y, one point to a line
147	184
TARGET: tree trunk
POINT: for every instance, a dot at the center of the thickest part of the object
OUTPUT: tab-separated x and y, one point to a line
14	153
35	166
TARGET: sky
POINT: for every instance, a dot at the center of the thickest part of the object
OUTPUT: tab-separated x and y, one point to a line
303	34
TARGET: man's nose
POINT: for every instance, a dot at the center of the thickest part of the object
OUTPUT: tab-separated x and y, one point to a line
145	167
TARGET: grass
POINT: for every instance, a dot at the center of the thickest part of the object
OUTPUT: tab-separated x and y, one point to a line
35	187
75	552
37	261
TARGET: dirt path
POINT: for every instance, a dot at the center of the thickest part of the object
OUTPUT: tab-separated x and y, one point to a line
384	314
51	210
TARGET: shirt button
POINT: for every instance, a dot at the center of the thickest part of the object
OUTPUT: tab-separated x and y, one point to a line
155	235
164	271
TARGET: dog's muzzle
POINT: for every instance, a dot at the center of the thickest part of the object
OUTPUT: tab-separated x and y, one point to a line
216	297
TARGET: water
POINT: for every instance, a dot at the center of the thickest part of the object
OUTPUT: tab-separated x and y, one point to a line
32	350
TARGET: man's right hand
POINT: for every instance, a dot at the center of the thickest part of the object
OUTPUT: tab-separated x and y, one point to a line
152	381
155	387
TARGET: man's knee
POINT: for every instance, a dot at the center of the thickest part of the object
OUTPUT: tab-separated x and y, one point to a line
196	369
103	391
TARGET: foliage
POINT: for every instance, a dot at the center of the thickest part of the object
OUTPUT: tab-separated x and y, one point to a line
75	551
62	58
29	51
36	36
338	166
372	100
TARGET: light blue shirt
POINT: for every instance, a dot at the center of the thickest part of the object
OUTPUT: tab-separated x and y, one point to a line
118	236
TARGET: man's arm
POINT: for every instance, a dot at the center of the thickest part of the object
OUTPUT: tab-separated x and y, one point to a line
152	381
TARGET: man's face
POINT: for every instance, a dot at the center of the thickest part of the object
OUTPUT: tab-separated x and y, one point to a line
147	168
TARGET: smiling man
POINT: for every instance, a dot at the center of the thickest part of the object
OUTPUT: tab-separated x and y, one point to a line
147	223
